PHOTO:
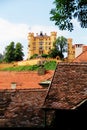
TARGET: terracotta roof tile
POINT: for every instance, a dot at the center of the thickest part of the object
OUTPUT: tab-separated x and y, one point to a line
82	57
23	80
84	48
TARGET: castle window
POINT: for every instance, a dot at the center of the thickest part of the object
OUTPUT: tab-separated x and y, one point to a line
34	48
41	43
46	47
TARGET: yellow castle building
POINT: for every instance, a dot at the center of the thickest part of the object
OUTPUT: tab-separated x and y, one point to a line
71	50
40	43
74	50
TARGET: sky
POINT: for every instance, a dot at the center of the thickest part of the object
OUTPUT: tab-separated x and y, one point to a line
19	17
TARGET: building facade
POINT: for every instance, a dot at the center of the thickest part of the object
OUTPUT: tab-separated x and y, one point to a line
41	43
74	50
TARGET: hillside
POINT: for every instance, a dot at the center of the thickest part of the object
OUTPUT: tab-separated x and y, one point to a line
49	65
6	65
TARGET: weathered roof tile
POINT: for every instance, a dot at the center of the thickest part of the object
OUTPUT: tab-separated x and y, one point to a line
68	86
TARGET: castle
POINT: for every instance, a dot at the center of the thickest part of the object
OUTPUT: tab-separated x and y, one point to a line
41	43
62	105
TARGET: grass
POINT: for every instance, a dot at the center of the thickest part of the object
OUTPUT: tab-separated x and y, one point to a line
51	65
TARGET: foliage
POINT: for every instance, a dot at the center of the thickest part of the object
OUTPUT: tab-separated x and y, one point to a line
1	57
67	10
13	53
53	53
19	52
44	55
51	65
60	46
9	55
34	56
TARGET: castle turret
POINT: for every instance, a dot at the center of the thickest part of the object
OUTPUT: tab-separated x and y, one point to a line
71	50
53	38
30	45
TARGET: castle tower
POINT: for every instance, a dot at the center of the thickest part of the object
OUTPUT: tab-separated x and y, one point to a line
30	44
53	38
71	50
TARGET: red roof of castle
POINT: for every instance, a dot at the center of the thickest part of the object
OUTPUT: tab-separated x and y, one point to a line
23	80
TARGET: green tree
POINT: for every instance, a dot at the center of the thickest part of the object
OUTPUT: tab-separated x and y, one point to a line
13	53
54	53
60	47
1	57
34	56
9	55
19	52
66	10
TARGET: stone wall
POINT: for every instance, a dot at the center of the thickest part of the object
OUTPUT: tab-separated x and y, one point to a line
22	108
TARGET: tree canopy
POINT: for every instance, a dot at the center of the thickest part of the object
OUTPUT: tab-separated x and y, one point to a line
1	57
13	53
67	10
60	47
19	52
9	55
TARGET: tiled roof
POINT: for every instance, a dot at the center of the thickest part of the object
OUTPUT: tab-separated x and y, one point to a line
84	48
82	57
23	80
68	87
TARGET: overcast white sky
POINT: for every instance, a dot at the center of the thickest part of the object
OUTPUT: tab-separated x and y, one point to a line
19	17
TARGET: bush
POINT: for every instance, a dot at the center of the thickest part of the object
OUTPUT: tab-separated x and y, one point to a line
34	56
44	55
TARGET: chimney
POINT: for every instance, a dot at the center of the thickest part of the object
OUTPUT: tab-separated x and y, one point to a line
13	85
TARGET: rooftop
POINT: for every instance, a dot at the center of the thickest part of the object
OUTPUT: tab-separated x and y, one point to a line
68	87
23	80
82	57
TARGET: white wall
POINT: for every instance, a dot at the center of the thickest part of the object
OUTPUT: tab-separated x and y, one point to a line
78	49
